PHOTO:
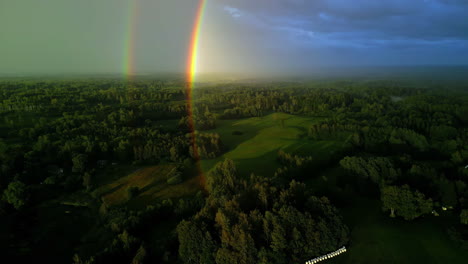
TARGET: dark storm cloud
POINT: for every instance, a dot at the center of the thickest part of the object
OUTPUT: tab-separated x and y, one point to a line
383	19
363	31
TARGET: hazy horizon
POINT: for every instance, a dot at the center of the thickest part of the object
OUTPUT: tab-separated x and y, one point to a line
456	72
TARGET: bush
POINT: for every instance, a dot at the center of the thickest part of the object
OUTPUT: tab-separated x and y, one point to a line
132	192
237	133
174	180
16	194
50	180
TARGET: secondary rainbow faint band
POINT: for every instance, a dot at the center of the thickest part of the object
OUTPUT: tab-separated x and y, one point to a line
129	48
192	63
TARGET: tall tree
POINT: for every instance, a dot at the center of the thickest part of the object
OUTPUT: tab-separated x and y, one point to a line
404	202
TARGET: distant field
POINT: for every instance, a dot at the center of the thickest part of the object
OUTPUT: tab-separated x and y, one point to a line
256	149
152	184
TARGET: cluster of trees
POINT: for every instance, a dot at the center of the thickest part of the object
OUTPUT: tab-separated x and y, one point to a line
124	232
208	146
331	129
394	185
289	160
72	126
198	120
16	194
379	170
238	112
405	202
243	221
294	167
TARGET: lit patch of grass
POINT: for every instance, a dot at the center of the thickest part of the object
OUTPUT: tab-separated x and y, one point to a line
152	185
255	149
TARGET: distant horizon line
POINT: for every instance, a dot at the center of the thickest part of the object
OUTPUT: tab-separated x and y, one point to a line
330	70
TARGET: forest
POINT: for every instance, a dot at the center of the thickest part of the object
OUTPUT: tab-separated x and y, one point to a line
104	170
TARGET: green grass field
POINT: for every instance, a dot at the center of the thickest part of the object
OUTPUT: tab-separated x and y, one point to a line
377	238
152	184
256	149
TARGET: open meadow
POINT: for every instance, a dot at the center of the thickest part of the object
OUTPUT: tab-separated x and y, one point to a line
255	148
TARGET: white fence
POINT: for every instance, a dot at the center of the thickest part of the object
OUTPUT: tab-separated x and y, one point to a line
327	256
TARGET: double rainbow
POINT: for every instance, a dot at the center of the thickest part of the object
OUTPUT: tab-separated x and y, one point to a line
191	68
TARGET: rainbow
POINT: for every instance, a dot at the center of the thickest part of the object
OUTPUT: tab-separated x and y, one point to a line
129	47
191	70
192	60
193	50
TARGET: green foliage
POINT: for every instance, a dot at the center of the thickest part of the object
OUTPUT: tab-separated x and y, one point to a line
196	243
126	240
202	121
79	163
464	217
78	260
253	226
404	202
408	137
223	180
207	146
140	256
447	192
293	160
50	180
174	153
16	194
379	170
191	205
174	179
87	179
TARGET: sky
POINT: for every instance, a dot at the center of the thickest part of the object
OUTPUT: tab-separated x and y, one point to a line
264	36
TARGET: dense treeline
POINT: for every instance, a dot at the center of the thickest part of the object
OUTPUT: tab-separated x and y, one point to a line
245	222
404	143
